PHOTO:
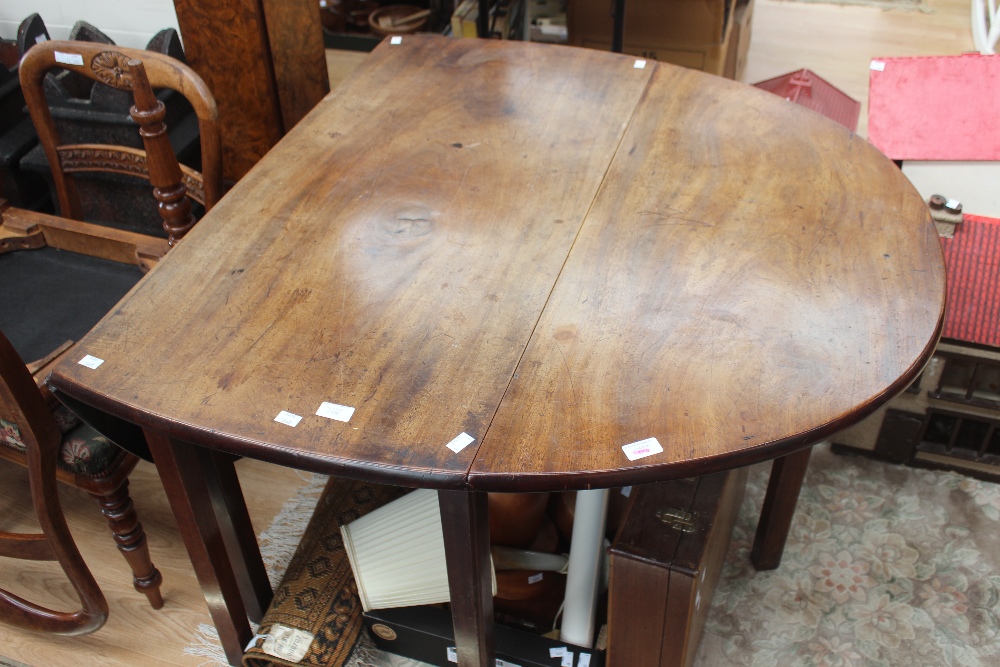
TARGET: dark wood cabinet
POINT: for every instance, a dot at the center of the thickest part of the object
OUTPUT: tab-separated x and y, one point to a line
265	63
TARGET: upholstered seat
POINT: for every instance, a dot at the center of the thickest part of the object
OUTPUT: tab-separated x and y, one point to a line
84	451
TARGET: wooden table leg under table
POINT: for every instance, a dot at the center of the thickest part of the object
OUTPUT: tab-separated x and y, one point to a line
466	523
783	489
207	502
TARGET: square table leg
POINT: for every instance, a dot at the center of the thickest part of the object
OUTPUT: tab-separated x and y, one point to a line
466	523
191	479
787	474
241	539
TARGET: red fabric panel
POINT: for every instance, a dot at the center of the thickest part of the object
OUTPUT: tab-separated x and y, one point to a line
935	108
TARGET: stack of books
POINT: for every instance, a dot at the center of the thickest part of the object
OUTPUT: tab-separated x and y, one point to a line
466	15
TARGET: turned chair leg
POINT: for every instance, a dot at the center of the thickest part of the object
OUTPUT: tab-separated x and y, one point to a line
131	540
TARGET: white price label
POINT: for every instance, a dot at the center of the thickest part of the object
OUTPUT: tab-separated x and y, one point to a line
68	58
91	362
288	418
877	66
460	442
341	413
287	643
639	64
642	449
584	660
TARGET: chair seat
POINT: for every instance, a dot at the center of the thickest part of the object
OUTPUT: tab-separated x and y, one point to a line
84	451
50	296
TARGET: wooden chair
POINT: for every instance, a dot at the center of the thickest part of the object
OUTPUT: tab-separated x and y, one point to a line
26	423
83	457
139	72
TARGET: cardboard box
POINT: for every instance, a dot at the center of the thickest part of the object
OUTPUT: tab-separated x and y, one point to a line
665	563
426	634
690	33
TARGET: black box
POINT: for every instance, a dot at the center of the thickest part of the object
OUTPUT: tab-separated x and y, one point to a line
426	634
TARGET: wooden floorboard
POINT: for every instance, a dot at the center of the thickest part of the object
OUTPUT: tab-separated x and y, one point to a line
836	42
135	634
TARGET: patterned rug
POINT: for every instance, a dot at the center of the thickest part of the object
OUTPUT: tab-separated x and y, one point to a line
885	566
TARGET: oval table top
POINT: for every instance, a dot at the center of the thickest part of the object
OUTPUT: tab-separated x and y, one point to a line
556	252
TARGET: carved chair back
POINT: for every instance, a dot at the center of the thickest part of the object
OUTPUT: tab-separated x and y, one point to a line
139	72
24	416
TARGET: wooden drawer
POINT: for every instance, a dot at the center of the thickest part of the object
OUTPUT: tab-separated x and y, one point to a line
665	562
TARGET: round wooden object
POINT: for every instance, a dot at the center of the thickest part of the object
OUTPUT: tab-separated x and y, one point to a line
397	20
515	518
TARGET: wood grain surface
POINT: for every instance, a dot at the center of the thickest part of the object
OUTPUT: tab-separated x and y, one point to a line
295	37
392	254
227	44
837	41
749	278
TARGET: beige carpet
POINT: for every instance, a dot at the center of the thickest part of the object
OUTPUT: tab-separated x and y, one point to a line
886	566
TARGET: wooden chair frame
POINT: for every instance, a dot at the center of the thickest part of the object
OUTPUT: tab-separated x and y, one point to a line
21	402
137	71
115	66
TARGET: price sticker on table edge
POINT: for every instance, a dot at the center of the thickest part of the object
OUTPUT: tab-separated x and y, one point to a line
639	64
642	449
396	39
584	660
288	418
341	413
557	651
68	58
460	442
91	362
567	659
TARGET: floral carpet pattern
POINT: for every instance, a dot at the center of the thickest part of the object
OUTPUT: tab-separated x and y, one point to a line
885	566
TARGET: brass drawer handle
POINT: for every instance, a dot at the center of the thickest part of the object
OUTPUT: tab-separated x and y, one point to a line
678	519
